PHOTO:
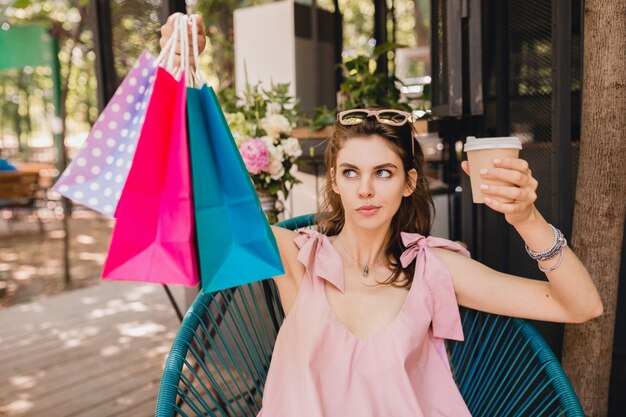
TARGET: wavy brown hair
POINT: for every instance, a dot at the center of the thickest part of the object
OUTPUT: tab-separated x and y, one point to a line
415	212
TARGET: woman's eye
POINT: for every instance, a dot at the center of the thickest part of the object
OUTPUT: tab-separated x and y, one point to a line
383	173
349	173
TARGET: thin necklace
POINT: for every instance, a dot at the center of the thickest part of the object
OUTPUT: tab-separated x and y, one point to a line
366	268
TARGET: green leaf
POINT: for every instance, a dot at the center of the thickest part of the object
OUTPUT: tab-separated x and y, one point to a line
383	48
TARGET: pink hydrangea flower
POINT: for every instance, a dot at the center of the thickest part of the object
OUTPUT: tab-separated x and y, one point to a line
255	155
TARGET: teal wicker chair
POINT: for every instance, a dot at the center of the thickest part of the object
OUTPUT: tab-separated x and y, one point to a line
219	360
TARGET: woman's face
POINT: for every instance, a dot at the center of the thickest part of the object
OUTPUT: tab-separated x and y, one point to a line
370	180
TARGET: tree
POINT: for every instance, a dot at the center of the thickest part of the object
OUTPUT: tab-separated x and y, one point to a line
600	204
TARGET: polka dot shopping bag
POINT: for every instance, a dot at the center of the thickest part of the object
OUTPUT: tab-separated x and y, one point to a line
98	172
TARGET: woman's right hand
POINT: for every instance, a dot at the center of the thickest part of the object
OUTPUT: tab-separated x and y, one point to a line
168	28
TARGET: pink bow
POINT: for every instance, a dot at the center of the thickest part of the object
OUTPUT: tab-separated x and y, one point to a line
414	243
320	257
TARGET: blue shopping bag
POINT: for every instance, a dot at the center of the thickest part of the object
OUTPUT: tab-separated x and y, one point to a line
235	243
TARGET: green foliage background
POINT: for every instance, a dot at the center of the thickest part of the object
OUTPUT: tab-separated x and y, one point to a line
25	96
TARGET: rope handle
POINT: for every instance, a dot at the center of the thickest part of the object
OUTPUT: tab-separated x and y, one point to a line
180	38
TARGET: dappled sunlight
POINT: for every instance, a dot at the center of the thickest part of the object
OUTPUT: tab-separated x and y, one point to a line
56	234
24	272
159	351
25	381
9	256
75	337
25	342
140	329
94	334
85	239
89	300
16	408
140	292
34	307
110	350
90	256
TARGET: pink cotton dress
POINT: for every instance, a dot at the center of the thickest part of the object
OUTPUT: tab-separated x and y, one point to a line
319	368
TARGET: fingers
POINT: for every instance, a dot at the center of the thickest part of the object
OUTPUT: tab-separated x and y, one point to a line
505	193
516	198
512	171
506	208
465	167
168	28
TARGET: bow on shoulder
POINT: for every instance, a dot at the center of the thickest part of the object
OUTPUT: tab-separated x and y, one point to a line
414	243
320	258
446	321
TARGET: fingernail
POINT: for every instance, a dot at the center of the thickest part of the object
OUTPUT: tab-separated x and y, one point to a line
484	187
497	161
487	200
484	171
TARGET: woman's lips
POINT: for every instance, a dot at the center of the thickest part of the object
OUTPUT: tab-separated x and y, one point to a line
368	210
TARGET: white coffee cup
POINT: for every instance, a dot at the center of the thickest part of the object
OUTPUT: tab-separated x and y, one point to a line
480	155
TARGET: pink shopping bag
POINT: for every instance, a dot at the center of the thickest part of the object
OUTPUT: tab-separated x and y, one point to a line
97	174
153	238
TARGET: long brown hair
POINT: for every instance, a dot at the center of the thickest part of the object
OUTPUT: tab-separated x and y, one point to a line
415	212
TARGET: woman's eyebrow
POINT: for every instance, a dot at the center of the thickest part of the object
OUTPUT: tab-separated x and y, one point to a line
386	165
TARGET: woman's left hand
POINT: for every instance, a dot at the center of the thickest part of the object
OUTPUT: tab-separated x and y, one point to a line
521	192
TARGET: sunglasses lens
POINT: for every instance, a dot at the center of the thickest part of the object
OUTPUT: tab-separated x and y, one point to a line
392	117
353	117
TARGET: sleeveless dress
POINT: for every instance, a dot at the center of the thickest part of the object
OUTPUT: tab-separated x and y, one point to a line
319	368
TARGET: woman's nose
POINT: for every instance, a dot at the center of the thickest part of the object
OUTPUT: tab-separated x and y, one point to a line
365	189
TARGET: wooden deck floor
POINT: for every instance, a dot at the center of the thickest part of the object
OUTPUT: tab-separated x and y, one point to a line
97	351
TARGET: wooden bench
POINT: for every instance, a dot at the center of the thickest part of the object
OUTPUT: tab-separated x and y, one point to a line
18	191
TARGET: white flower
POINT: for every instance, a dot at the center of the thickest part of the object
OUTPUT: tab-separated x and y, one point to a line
276	150
275	124
291	147
269	142
277	170
273	108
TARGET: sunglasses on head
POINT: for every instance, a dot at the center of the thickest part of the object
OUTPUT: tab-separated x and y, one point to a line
385	116
389	117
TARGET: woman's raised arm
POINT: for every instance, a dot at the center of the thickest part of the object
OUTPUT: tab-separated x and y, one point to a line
569	295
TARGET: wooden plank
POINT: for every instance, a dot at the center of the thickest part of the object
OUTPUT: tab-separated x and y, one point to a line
68	336
93	302
100	390
56	353
40	378
38	382
138	401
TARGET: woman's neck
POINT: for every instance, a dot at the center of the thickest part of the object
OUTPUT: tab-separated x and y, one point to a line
364	246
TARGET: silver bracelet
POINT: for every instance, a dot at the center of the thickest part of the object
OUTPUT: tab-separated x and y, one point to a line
556	265
557	247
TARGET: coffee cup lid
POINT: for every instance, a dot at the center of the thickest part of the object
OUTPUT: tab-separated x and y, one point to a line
474	144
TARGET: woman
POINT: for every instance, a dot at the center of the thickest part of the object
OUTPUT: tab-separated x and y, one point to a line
370	296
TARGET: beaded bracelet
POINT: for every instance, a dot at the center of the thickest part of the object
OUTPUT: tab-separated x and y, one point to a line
556	265
554	250
557	248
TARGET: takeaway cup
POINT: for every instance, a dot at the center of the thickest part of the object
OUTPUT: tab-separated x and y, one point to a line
480	154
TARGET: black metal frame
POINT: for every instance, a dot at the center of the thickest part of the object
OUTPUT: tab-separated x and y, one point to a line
100	16
562	210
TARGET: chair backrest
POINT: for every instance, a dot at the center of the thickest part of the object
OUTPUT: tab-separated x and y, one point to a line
219	360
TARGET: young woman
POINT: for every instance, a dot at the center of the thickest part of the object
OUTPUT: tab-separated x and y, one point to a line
369	296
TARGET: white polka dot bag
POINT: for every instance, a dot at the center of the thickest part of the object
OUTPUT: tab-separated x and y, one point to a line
97	174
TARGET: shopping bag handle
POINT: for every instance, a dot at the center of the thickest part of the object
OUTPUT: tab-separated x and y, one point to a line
195	73
179	38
